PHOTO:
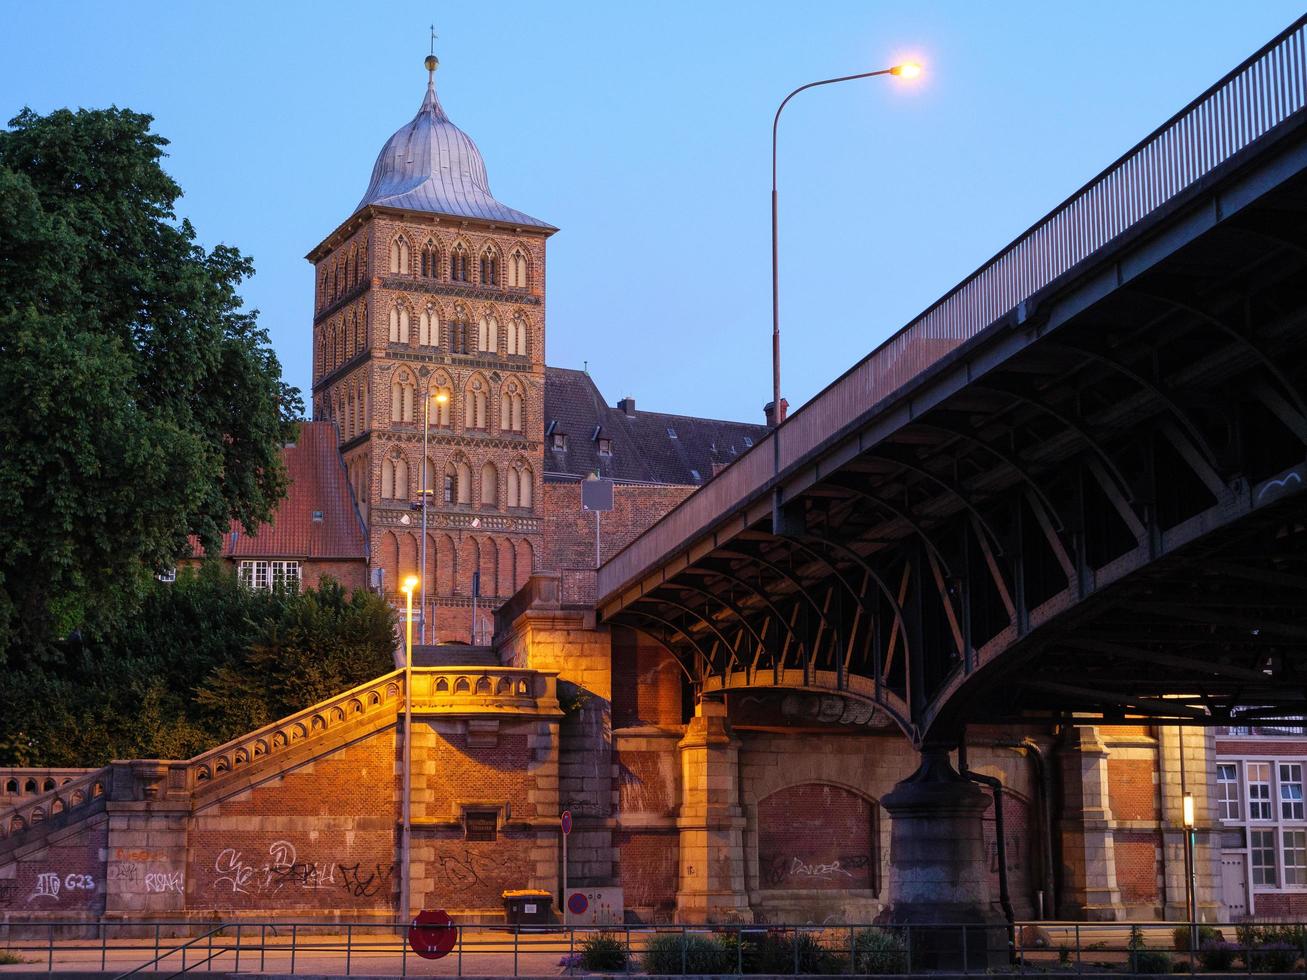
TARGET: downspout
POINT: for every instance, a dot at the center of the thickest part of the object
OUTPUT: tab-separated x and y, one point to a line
1004	899
1044	779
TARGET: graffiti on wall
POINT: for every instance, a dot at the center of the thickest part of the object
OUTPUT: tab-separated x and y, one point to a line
51	885
281	871
816	836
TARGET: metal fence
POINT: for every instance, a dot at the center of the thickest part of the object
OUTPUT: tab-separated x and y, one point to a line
1262	93
127	948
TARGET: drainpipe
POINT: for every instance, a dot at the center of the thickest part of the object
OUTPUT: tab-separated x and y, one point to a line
1004	899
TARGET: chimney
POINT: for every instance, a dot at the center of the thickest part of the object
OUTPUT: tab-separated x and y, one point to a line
769	413
627	405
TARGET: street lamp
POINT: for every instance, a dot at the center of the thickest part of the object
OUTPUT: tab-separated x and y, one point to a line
440	398
407	588
909	69
1191	886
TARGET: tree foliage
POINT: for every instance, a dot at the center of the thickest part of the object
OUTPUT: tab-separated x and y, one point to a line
139	403
204	660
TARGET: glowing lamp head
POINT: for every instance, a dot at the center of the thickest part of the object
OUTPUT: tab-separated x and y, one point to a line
909	69
410	583
1188	811
441	398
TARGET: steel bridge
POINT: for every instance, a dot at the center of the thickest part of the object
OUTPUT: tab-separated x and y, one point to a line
1074	488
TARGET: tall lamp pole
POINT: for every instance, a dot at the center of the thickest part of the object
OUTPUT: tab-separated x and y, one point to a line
406	826
906	70
440	399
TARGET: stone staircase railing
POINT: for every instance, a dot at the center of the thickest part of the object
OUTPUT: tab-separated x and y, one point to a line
380	695
71	795
19	783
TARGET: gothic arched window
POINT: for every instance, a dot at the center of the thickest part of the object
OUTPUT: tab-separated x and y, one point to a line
488	334
489	486
399	256
489	268
458	264
517	269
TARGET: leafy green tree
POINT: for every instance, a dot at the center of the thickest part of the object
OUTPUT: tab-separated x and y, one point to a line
204	660
139	403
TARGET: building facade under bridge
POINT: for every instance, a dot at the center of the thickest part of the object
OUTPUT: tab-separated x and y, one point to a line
1058	526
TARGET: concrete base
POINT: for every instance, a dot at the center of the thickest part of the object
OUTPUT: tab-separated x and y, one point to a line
939	883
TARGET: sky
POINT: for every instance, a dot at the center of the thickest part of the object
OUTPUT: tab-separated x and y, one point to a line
642	131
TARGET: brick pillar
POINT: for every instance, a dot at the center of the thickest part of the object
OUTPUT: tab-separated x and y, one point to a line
148	808
1199	773
711	823
1089	888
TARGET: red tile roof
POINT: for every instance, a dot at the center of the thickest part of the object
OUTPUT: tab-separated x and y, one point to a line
317	484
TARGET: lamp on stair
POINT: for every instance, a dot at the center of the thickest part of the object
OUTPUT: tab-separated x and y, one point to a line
409	584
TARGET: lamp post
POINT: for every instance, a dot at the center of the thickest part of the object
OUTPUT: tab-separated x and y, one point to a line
406	827
906	70
440	398
1191	885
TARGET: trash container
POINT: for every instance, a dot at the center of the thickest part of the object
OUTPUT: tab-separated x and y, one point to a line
528	906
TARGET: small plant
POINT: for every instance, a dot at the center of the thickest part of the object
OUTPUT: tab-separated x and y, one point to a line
678	953
1063	956
1206	934
1217	955
1273	957
879	951
602	951
10	959
1150	961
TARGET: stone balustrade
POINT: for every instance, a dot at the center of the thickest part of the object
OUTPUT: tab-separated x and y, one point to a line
69	795
469	691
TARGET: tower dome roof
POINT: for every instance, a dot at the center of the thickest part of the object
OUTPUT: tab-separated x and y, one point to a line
432	165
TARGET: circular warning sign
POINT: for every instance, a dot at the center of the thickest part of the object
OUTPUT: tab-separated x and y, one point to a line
577	903
432	934
565	821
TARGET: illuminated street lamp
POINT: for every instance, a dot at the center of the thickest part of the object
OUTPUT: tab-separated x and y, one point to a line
1191	885
407	588
440	398
907	70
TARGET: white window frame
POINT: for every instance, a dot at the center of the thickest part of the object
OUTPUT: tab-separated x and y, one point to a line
1229	799
1274	821
1259	849
1261	804
264	574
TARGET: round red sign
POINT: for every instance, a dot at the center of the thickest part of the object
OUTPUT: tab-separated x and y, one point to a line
566	821
432	934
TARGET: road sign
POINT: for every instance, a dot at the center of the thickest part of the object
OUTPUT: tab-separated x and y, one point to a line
577	903
597	494
432	934
566	821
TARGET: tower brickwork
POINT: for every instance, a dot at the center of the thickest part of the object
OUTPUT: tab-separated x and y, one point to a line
429	314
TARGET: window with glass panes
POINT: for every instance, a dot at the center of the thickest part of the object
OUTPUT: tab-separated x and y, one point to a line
1294	846
1261	850
1259	791
1227	791
1291	803
259	574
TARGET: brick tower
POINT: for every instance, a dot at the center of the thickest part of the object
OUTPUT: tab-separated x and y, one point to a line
430	305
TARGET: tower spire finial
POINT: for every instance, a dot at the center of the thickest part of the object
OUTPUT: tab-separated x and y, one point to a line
432	61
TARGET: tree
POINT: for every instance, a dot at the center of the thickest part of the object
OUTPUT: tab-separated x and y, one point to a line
140	405
202	661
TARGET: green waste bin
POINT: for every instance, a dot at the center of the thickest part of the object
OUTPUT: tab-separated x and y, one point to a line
528	907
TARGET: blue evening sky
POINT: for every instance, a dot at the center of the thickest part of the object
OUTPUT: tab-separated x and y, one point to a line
642	131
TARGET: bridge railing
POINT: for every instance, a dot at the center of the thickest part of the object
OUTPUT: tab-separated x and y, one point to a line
1244	106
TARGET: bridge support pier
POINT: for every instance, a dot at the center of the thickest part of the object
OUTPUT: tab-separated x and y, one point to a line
939	875
711	881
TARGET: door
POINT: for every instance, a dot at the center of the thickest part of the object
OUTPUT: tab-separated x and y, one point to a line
1234	886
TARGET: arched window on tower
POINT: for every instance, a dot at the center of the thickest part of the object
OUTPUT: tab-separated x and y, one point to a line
450	484
458	264
464	483
399	324
519	487
517	337
399	256
488	334
401	398
429	328
510	408
476	405
489	486
401	479
430	261
489	267
517	269
440	410
388	479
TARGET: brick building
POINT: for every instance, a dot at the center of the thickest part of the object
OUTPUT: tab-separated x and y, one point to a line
764	805
316	529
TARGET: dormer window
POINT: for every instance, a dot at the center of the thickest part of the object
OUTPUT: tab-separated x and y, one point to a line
605	446
748	443
558	441
696	477
671	433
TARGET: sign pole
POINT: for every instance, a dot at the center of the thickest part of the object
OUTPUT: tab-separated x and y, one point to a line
565	824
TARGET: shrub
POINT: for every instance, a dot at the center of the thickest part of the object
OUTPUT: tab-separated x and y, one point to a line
10	959
603	951
1273	957
1206	934
1150	961
773	952
879	951
1217	955
676	953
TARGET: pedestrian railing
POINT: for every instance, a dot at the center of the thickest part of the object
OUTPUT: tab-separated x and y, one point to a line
372	948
